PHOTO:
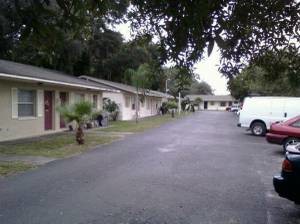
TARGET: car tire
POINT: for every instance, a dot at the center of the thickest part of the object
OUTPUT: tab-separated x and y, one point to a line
258	129
288	141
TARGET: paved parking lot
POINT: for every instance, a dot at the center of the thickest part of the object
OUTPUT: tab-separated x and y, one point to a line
200	169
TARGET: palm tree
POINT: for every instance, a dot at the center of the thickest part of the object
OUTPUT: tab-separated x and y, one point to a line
80	113
140	79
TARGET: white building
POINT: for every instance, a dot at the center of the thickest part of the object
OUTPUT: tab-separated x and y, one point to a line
125	97
214	102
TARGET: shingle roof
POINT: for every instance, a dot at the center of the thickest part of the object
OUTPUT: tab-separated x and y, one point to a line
166	95
212	97
14	70
124	87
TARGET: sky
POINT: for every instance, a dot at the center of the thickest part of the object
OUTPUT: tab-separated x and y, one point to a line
207	68
208	71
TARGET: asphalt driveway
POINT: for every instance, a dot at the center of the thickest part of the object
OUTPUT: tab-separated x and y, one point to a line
200	169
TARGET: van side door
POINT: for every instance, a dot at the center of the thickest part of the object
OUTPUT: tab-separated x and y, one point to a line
292	108
277	110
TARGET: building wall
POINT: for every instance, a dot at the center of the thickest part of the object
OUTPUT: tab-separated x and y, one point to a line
149	107
215	105
126	111
118	99
14	127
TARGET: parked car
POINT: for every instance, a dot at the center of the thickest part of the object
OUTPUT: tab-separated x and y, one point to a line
258	113
287	184
285	133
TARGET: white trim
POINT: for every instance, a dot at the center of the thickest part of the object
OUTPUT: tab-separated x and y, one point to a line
40	102
14	103
51	81
27	118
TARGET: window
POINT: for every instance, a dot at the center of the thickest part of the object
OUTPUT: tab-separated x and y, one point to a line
296	124
230	103
222	104
142	102
95	101
26	103
63	96
79	97
212	103
127	101
133	102
148	103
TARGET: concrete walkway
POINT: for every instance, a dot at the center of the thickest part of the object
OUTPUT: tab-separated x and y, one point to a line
35	160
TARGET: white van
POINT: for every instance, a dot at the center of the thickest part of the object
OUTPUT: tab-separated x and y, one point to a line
258	113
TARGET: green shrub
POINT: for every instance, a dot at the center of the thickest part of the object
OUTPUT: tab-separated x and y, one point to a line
171	105
185	104
95	115
79	112
111	107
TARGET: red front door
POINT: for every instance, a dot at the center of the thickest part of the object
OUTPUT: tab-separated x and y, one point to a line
48	108
63	102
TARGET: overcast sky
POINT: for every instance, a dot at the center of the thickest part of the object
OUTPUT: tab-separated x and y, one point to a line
207	68
208	71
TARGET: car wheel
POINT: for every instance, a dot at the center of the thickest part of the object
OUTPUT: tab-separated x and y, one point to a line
289	141
258	129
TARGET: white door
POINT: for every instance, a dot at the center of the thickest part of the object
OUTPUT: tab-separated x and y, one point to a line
292	108
277	110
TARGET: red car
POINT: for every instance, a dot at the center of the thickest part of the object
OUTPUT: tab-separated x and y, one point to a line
285	133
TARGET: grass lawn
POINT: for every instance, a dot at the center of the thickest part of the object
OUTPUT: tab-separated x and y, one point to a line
142	125
64	145
57	146
7	168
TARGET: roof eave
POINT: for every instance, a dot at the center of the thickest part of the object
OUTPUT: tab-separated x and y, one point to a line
33	79
96	80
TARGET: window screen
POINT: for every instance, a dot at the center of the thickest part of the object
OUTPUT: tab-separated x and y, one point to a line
222	104
95	101
26	103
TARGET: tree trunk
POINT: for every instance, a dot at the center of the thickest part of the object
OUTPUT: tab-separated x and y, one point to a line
80	136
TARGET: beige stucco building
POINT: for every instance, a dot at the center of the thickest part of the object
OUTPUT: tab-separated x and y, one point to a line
125	97
214	102
29	97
